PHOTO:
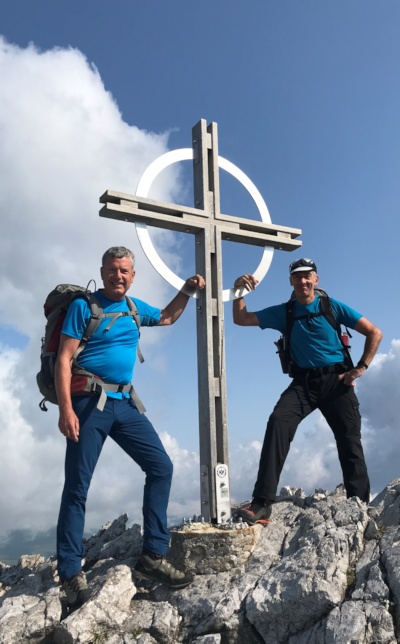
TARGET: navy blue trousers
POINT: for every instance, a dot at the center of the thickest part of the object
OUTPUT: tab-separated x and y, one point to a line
340	407
132	431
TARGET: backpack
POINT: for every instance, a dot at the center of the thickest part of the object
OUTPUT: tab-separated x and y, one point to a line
82	381
283	344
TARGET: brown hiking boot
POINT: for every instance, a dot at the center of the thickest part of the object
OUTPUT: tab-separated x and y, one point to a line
255	512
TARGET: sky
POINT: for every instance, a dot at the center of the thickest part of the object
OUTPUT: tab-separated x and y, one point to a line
306	96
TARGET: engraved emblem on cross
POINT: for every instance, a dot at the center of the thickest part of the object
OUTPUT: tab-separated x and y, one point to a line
210	228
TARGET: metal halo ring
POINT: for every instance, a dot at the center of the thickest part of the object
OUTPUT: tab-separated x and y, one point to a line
143	188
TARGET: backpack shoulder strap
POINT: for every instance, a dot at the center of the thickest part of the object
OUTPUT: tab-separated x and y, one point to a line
283	344
96	314
133	308
289	325
135	314
326	309
289	318
328	313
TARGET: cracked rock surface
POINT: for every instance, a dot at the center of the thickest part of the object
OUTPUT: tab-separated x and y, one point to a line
326	570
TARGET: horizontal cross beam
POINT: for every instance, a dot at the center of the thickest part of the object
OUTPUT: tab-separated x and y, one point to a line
118	205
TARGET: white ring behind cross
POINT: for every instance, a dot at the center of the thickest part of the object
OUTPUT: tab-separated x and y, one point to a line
144	185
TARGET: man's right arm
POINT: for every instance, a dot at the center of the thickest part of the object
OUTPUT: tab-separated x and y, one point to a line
241	315
68	421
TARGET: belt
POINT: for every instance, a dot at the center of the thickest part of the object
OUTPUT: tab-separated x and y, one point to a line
315	372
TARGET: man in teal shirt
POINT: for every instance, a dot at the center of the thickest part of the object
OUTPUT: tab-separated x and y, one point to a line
110	354
321	381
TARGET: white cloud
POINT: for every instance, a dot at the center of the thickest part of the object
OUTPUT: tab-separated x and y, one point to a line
63	144
313	460
378	391
30	463
243	469
381	383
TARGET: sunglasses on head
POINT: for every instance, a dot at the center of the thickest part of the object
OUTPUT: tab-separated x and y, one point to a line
302	263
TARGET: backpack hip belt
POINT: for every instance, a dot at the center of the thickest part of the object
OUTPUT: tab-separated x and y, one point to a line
83	382
316	372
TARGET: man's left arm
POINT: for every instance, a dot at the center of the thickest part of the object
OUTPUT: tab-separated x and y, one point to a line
175	308
373	337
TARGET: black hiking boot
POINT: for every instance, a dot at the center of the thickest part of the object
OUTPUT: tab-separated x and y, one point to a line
157	568
76	590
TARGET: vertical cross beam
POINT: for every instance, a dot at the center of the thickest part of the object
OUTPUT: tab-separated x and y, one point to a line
210	227
213	426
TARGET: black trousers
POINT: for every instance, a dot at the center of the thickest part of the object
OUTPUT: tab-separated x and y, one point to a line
340	407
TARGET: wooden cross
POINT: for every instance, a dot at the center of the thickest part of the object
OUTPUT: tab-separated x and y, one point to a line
210	227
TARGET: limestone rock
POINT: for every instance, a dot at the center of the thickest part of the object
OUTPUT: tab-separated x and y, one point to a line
109	607
325	570
114	540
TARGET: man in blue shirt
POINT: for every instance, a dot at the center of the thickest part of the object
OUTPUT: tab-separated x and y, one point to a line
321	381
110	354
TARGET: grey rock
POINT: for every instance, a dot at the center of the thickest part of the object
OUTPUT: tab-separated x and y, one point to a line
372	530
109	607
288	491
326	570
30	603
387	504
114	540
310	578
28	618
390	558
159	619
352	622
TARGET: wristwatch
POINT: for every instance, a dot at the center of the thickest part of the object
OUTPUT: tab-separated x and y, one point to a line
361	363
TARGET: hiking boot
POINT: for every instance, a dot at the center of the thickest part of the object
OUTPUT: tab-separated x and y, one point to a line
157	568
256	512
76	589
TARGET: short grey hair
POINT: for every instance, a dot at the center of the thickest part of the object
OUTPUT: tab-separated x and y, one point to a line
117	252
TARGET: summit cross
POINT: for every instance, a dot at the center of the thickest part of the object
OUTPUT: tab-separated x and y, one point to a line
210	228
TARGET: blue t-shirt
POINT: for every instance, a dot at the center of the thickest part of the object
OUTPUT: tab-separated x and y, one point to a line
313	342
110	355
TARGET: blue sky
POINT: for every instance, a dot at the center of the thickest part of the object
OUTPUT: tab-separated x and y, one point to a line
307	100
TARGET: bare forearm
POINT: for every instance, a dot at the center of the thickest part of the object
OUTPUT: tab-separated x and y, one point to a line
373	337
372	342
241	315
68	421
239	311
62	381
174	310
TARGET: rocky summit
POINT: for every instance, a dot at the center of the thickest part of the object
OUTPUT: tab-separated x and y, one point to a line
325	570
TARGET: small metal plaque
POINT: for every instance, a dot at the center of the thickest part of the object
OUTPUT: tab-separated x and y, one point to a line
222	493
